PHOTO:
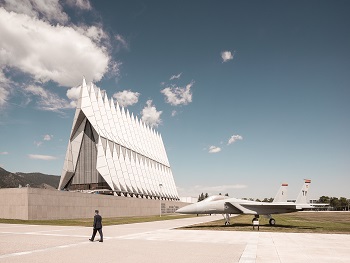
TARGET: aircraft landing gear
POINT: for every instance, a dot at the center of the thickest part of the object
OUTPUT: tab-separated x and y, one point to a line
272	222
227	219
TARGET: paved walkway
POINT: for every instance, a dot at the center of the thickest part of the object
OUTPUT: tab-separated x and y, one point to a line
160	242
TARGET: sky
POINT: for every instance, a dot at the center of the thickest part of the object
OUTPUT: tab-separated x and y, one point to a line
246	94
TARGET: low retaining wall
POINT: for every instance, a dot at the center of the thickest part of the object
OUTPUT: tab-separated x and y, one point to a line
40	204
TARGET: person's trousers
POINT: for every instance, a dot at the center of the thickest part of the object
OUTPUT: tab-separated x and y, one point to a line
95	231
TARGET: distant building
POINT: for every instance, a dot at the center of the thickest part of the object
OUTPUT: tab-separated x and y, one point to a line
111	151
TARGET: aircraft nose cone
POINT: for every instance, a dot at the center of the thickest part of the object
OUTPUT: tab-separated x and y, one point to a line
189	209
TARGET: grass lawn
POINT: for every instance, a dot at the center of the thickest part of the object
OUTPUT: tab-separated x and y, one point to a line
300	222
88	222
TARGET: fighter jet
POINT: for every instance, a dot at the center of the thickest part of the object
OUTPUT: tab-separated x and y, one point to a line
224	205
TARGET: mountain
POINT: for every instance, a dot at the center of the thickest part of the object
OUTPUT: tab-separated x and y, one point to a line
35	180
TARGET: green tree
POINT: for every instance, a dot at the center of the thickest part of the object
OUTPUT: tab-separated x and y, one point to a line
201	197
324	199
343	203
226	194
257	200
335	203
206	195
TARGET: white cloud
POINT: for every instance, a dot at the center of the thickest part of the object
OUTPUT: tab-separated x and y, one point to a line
82	4
58	53
73	94
126	97
46	99
226	56
41	157
49	10
150	115
173	113
178	95
175	76
4	93
234	138
4	88
95	33
214	149
48	137
4	153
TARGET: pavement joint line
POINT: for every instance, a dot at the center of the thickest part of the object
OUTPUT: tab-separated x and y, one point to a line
250	250
42	234
55	230
275	246
15	225
43	250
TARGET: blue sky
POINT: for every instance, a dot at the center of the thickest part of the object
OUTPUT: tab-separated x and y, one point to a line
272	76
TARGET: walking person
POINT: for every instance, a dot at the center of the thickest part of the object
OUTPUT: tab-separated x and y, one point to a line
97	227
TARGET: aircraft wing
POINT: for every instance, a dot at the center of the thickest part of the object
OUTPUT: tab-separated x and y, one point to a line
260	208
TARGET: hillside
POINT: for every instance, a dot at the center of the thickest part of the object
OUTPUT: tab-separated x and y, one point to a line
35	180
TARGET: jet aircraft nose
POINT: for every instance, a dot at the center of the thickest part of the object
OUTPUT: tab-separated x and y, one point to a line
189	209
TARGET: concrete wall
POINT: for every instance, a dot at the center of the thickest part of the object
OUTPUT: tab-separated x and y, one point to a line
33	203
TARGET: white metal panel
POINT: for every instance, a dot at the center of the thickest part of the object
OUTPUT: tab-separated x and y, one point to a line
118	167
104	122
124	170
111	166
101	165
76	143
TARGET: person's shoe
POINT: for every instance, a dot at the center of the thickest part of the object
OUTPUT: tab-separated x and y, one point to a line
100	241
91	239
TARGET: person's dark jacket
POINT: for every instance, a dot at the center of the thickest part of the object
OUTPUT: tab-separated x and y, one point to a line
97	222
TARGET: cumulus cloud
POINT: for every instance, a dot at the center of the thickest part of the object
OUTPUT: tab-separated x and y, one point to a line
46	99
175	76
48	137
4	153
126	97
95	33
173	113
226	56
234	138
46	52
150	115
178	95
49	10
73	94
41	157
214	149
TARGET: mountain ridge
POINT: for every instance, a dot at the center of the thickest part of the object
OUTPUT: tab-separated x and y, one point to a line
35	180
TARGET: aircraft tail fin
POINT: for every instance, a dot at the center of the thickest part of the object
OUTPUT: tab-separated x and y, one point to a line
281	195
303	197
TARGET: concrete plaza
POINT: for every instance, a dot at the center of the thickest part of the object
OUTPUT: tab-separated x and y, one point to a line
160	242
